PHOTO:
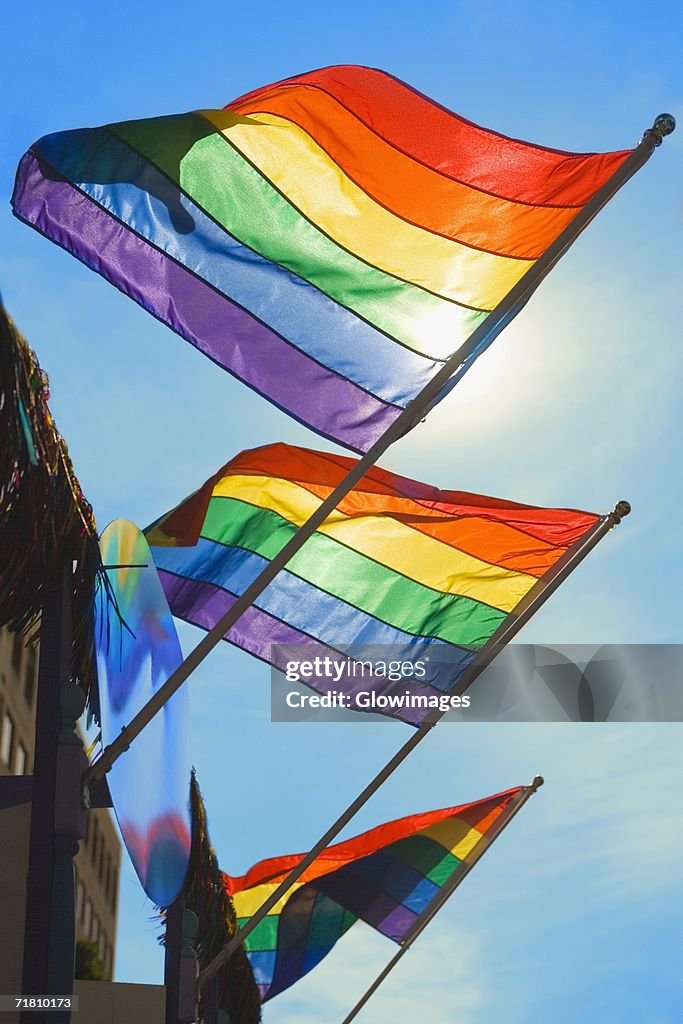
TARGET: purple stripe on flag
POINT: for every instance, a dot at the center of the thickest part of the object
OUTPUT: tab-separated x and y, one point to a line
396	924
229	335
203	604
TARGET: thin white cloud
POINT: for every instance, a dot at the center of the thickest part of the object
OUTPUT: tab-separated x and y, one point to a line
445	964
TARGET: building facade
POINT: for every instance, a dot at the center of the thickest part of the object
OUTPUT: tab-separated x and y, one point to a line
98	861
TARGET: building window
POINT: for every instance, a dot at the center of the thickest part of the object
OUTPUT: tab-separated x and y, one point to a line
30	676
20	760
95	928
6	738
112	898
17	649
79	900
87	917
102	947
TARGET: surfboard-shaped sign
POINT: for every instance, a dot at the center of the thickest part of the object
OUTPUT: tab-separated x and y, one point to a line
137	650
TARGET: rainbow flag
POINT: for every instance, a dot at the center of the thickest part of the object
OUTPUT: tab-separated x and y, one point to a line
400	567
387	877
330	240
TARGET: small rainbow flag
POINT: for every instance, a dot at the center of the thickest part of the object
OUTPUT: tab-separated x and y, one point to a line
331	239
387	877
399	566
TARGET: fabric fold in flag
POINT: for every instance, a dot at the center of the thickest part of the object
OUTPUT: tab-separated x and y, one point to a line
387	877
400	567
330	239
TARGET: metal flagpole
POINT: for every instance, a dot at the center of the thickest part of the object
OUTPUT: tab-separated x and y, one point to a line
494	323
444	894
537	597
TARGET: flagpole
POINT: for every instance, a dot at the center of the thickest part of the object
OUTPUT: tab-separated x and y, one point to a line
494	323
537	597
444	895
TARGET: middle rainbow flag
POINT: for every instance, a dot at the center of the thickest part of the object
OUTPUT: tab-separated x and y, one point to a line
399	567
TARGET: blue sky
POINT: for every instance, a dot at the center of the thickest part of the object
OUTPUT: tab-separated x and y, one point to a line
575	914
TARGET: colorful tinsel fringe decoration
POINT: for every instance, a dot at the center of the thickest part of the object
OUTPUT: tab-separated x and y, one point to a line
45	519
237	994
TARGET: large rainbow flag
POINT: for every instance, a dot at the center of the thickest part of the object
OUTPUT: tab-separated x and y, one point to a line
400	567
330	240
387	877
